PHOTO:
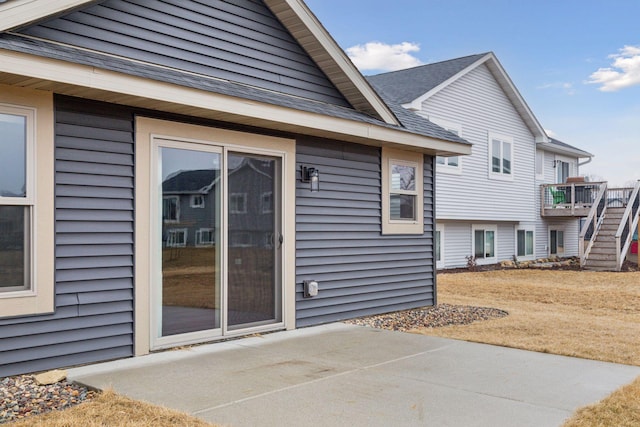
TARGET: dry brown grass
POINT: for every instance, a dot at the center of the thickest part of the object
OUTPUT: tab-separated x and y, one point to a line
591	315
111	409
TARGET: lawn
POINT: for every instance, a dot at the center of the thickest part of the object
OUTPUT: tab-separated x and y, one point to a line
592	315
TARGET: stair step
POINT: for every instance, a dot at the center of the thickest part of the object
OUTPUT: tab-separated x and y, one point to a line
600	264
602	257
602	251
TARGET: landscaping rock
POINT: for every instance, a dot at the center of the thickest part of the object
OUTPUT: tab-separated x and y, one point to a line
51	377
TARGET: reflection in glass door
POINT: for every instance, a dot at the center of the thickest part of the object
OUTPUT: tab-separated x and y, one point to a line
253	284
191	276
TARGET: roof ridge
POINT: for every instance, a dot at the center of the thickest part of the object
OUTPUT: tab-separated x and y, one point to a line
479	55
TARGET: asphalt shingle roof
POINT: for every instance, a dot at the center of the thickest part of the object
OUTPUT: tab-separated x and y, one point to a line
189	181
404	86
561	144
410	122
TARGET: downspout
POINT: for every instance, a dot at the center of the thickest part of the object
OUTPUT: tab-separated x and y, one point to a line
589	159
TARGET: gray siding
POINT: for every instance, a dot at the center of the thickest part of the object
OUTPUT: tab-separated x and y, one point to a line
339	241
235	40
93	317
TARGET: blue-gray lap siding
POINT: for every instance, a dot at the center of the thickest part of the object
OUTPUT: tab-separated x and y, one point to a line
339	241
93	318
236	40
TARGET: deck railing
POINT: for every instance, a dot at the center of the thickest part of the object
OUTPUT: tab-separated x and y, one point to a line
592	223
570	199
628	223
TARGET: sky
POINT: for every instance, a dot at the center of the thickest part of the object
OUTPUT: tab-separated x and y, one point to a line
575	62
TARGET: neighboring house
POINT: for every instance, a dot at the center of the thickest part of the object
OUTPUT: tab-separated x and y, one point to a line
488	204
121	119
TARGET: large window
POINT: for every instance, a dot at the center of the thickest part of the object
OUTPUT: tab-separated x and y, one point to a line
484	243
500	157
238	203
402	194
26	202
524	244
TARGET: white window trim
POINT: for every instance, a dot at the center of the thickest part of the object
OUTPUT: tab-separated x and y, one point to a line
389	226
525	257
38	106
570	161
455	128
485	227
564	241
177	231
233	207
503	139
177	199
266	208
440	228
200	242
192	201
539	176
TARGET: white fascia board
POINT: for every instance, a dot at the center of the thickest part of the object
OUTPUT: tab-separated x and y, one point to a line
17	13
110	86
311	34
567	151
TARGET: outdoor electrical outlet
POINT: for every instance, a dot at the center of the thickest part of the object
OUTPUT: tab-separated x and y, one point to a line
310	288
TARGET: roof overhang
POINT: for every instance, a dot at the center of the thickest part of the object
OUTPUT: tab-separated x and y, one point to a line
30	71
316	40
563	150
19	13
505	83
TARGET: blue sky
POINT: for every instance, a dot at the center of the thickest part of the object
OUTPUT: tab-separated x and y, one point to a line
576	63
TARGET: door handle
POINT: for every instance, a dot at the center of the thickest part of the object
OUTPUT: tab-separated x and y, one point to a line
280	240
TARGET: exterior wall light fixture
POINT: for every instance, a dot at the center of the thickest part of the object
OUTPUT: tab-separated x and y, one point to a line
311	176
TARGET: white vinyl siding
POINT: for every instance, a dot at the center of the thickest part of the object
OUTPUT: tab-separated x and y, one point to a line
479	105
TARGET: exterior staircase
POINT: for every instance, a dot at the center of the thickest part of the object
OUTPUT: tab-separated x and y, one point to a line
606	235
603	252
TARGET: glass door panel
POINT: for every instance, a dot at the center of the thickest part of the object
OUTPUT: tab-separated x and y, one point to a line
191	245
253	222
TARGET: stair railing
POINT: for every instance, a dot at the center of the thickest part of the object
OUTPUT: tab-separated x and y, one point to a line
628	223
592	224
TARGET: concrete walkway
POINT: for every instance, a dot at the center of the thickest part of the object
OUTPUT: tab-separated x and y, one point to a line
345	375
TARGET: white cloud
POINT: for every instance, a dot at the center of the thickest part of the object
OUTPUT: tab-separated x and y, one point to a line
624	71
384	57
567	87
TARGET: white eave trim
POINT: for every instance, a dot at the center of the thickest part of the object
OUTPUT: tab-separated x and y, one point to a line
17	13
324	50
109	86
553	148
504	81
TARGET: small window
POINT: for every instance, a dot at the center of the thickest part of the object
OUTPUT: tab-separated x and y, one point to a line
448	164
240	239
177	238
524	244
238	203
205	237
484	243
197	201
402	194
500	157
266	202
556	242
171	208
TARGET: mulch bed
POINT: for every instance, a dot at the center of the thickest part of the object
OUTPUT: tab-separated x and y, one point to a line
430	317
22	397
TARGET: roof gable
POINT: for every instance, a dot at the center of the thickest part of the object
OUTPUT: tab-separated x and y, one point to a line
432	78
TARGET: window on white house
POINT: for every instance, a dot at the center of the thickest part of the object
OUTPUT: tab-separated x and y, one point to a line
177	238
171	208
16	198
500	156
484	243
524	243
563	171
439	245
448	164
556	242
197	201
238	203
